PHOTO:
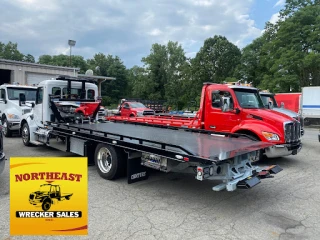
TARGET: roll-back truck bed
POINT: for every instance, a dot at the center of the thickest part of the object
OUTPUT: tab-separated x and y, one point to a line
121	148
131	149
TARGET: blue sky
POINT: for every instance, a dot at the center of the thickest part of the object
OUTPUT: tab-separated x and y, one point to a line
129	28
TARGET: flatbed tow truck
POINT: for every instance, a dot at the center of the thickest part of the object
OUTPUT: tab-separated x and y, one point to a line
130	149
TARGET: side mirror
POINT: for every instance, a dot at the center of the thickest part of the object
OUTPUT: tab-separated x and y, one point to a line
22	99
282	104
32	104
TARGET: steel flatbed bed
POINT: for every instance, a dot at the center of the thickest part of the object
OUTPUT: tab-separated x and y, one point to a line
195	144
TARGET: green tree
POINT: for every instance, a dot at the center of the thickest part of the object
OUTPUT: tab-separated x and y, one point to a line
10	51
293	54
28	58
111	66
64	61
216	60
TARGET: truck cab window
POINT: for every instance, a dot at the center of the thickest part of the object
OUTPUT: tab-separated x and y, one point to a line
249	99
39	98
56	91
220	98
2	94
90	94
75	93
216	100
126	105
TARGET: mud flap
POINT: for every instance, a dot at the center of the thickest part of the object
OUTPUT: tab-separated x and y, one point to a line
249	182
135	171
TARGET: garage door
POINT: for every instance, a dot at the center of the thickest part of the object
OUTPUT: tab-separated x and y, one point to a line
35	78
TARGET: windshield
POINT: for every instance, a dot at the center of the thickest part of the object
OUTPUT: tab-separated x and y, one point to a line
13	93
137	105
266	99
248	99
44	188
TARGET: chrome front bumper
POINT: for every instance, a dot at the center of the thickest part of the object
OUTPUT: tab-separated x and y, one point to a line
13	125
283	150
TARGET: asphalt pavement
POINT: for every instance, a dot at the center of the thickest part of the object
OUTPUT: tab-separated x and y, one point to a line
176	206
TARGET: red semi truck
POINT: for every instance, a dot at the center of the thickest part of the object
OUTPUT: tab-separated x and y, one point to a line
236	109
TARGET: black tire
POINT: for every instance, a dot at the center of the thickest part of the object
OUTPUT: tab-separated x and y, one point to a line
110	161
67	198
6	131
46	205
25	134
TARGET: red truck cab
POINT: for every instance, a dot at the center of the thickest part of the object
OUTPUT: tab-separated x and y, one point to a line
134	109
239	109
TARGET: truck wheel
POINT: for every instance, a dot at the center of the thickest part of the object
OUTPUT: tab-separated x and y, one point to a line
46	204
25	133
6	131
109	161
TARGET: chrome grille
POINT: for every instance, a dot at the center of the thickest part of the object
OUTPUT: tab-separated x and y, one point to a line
292	131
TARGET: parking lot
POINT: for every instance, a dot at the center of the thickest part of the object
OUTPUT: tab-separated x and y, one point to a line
176	206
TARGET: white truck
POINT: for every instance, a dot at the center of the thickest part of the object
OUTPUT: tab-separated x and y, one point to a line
119	149
310	105
11	109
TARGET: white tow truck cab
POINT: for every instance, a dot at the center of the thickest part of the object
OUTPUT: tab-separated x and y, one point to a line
58	101
11	109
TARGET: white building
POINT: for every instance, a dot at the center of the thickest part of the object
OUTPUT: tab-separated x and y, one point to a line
31	73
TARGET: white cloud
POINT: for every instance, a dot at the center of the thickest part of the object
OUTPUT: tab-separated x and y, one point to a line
123	28
280	3
155	32
274	18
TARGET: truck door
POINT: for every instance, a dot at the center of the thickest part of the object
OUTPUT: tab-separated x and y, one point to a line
125	110
38	108
2	100
215	118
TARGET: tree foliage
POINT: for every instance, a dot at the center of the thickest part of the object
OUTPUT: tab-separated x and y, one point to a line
110	66
65	61
10	51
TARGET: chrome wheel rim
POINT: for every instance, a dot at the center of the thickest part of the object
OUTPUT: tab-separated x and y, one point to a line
25	134
104	160
5	128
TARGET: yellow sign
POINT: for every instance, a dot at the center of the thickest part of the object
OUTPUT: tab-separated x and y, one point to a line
48	196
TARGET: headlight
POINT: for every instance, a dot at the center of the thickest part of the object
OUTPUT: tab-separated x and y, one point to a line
13	116
271	136
139	113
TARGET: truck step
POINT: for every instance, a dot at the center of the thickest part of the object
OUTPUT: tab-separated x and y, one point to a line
36	143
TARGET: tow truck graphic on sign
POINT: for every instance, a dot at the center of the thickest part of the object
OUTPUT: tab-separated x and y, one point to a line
47	195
